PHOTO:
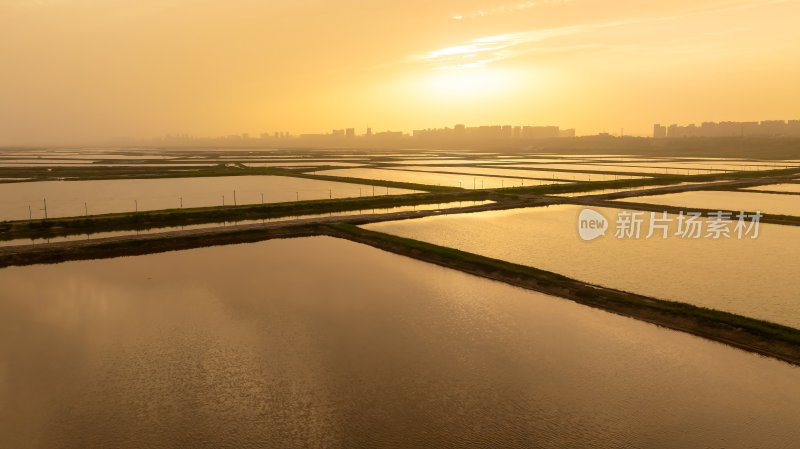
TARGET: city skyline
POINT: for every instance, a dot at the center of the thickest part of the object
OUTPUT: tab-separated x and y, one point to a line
762	128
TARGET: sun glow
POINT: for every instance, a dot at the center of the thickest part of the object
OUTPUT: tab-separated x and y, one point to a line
468	82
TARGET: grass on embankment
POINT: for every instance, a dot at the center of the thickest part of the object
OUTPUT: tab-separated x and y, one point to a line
755	335
190	216
144	244
131	221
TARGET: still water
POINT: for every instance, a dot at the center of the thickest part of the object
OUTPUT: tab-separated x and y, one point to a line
727	200
465	181
289	344
75	198
598	167
785	188
756	278
529	174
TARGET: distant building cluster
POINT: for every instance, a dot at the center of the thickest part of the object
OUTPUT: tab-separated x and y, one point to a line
458	132
348	136
494	132
766	128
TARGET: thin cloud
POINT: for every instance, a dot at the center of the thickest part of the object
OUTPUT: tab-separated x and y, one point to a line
489	49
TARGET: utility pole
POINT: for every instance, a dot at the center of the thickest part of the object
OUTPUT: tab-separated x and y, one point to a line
85	209
136	205
330	194
30	213
298	195
262	198
234	198
45	207
181	202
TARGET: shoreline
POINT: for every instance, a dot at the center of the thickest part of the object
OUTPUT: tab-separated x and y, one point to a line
756	336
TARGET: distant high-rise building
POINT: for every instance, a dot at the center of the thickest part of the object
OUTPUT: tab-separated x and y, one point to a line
540	132
350	132
773	127
659	132
369	132
766	128
672	131
566	132
793	128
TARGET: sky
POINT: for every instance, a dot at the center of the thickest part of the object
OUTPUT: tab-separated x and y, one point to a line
76	71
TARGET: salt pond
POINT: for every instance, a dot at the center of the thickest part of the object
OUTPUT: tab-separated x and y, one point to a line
727	200
288	344
756	278
67	198
436	179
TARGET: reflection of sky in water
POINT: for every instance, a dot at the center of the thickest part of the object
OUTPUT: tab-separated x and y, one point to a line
286	343
749	277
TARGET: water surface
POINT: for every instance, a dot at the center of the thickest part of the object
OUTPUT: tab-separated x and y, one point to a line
756	278
791	188
288	344
465	181
75	198
726	200
529	174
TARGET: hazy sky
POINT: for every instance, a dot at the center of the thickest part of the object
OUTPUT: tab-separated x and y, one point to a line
89	69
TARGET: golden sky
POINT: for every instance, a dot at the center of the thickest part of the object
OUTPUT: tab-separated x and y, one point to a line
73	70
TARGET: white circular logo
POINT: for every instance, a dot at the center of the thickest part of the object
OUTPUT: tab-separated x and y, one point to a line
591	224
